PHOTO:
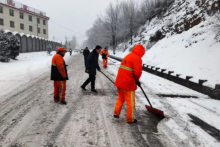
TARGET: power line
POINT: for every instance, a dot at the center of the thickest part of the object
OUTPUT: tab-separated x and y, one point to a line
66	28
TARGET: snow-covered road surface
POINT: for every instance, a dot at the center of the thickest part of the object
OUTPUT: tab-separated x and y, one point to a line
30	118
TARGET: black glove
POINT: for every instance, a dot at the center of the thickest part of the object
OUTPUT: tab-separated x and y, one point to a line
138	83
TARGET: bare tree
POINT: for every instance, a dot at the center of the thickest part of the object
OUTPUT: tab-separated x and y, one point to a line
110	21
73	43
122	21
129	17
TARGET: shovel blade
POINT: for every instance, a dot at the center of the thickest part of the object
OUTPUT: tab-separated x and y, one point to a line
155	111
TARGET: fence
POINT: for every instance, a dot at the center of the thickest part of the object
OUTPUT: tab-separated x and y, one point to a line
212	92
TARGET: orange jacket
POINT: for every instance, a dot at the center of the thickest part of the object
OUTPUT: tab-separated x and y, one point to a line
58	68
130	69
104	53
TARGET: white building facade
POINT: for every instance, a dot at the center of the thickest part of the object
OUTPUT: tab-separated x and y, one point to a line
21	18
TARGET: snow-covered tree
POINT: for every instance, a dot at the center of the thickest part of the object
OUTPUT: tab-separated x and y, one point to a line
9	46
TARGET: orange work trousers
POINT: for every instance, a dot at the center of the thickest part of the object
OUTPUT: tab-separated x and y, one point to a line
129	97
59	90
105	62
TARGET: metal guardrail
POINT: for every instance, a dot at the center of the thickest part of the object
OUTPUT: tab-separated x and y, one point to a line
23	7
199	87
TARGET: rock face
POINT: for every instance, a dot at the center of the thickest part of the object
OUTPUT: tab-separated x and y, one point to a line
193	13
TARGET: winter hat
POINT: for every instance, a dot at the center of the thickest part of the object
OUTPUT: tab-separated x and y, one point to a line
106	47
61	49
98	47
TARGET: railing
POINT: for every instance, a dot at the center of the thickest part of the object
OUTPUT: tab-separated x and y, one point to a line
23	7
199	87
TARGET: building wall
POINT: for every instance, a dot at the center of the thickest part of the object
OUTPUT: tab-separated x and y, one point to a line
17	20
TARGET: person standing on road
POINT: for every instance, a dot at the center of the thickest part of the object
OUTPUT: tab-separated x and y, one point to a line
59	75
85	54
70	50
127	80
105	54
91	66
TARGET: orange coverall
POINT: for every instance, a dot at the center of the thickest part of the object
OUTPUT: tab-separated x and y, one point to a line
129	72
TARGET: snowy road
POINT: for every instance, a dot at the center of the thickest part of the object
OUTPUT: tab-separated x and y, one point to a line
30	118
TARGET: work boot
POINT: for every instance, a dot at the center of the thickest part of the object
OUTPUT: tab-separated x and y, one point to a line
63	103
83	88
133	122
116	116
93	90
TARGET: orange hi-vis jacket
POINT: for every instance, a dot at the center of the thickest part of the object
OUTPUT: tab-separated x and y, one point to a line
104	53
58	68
130	69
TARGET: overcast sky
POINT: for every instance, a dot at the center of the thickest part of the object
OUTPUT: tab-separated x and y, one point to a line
77	15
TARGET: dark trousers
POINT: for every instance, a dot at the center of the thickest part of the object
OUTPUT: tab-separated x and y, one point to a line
90	79
85	57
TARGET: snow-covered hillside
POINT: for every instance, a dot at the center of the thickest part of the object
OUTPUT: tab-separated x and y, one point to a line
188	47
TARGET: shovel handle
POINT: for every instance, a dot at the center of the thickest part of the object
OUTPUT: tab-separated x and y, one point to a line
146	96
107	77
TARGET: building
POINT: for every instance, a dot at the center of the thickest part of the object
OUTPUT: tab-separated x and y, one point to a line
21	18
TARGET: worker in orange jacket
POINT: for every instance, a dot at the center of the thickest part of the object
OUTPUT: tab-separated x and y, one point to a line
59	75
127	80
105	54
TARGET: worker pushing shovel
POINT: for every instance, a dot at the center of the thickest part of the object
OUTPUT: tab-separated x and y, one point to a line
126	82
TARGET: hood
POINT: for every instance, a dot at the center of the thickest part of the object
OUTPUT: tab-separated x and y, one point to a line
139	50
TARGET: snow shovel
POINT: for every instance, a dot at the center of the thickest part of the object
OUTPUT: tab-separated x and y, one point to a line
107	77
150	108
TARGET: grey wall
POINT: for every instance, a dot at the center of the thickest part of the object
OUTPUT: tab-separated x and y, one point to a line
29	44
24	44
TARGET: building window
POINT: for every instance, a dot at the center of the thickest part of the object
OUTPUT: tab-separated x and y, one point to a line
30	18
1	22
44	22
21	15
12	24
38	30
38	20
30	28
11	12
22	26
1	9
45	32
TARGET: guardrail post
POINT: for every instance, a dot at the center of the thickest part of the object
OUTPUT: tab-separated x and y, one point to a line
170	72
201	82
163	70
178	75
152	67
157	68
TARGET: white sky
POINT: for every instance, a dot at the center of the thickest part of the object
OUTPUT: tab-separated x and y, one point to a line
77	15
